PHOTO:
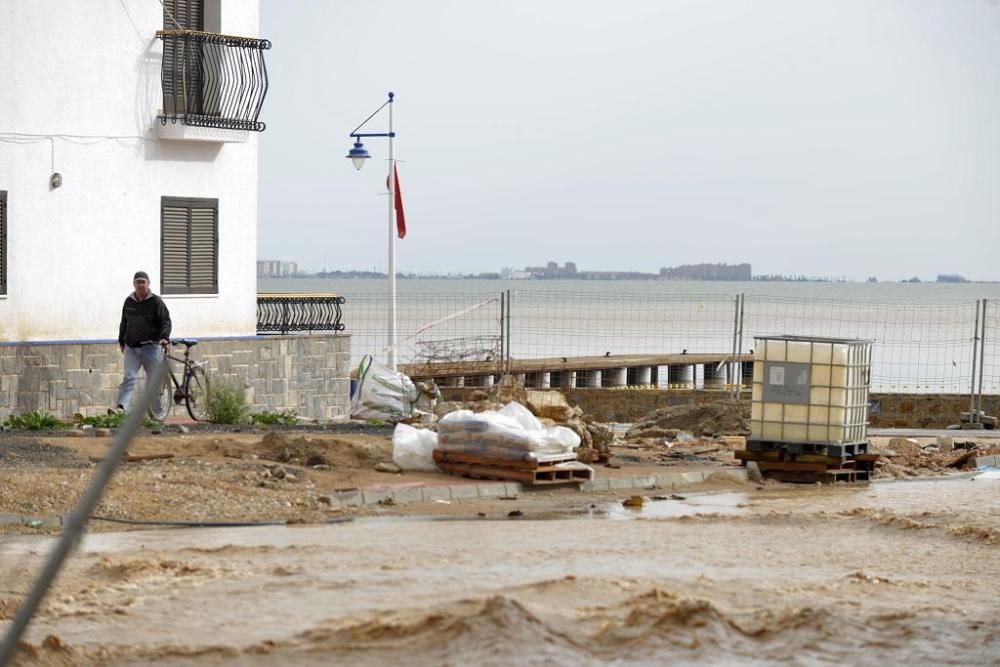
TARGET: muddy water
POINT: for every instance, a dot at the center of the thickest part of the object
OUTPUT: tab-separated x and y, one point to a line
816	575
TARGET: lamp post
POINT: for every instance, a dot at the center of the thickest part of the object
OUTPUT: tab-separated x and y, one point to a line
358	154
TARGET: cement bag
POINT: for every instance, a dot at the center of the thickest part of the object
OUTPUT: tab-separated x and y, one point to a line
512	428
382	393
413	448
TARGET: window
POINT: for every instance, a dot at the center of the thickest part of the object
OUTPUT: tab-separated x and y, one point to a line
189	245
3	241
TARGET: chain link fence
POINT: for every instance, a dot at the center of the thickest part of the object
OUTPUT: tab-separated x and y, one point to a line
917	348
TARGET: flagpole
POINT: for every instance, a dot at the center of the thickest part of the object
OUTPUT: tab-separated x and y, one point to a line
392	248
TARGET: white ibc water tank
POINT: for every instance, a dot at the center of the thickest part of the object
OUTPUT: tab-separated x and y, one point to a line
810	390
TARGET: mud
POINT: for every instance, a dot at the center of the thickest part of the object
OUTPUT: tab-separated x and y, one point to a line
888	572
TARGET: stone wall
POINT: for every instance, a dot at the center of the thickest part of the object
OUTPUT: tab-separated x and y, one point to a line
886	411
308	374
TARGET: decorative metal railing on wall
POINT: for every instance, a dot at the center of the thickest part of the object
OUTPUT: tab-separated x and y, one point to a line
290	313
212	80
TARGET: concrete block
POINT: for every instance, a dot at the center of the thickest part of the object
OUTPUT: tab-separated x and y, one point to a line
619	483
669	481
491	490
643	481
413	494
374	496
437	493
464	491
352	498
601	484
693	477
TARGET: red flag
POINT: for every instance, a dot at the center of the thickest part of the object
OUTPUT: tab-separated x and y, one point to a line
400	218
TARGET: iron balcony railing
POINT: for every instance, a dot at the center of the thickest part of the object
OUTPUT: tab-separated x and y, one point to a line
212	80
280	313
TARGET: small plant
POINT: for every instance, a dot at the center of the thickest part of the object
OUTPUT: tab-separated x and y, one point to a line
113	420
373	421
226	403
281	418
33	421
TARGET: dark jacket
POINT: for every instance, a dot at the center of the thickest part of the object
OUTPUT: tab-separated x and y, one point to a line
146	320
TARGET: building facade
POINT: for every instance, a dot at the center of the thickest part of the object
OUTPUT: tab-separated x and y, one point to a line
101	176
128	141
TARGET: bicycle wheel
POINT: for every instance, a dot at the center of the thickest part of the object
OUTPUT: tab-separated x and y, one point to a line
196	393
166	399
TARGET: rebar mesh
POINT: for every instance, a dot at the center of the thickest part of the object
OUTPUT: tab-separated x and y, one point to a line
430	328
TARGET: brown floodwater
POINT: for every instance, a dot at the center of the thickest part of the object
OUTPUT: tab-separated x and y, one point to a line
891	571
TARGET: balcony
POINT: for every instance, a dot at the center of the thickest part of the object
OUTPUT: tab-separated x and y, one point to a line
214	83
283	313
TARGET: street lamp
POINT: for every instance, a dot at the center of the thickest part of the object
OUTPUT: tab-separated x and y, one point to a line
358	154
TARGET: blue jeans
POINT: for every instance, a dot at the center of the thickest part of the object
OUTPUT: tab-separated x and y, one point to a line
147	356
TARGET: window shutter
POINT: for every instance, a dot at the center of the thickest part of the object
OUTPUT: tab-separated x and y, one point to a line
3	241
189	246
181	59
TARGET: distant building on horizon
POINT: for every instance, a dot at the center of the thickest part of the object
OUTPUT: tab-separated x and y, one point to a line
272	268
708	272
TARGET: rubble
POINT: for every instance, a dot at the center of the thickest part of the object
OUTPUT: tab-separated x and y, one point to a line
710	419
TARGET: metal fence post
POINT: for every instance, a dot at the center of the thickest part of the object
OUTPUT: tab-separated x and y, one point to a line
739	381
503	349
733	364
972	381
982	360
510	308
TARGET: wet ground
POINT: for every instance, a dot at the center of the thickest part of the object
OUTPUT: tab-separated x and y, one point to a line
891	571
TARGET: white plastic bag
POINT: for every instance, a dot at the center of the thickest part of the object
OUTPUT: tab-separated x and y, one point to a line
413	448
382	393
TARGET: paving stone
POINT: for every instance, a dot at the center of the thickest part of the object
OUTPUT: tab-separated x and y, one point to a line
464	491
375	496
492	490
437	493
408	495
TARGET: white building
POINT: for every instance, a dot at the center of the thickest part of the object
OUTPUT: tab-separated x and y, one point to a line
98	181
128	141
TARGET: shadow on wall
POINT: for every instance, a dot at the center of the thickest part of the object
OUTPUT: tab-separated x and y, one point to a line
181	151
149	104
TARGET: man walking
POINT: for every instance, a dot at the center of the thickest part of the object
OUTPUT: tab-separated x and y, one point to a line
143	336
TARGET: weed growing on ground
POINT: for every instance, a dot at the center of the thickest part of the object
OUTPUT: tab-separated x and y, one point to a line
226	403
281	418
33	421
114	420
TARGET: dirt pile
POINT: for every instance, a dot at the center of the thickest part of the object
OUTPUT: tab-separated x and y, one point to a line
713	419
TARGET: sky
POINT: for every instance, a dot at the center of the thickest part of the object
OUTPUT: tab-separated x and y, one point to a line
808	137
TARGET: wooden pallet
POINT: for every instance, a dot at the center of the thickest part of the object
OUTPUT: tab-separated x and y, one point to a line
821	449
533	463
528	472
785	466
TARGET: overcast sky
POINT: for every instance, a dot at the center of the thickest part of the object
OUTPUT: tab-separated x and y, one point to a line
823	137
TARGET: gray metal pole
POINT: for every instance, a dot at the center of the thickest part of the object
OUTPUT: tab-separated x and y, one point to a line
510	308
77	520
982	360
972	383
733	365
739	382
503	350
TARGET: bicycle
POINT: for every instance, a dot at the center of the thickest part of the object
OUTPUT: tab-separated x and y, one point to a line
192	388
